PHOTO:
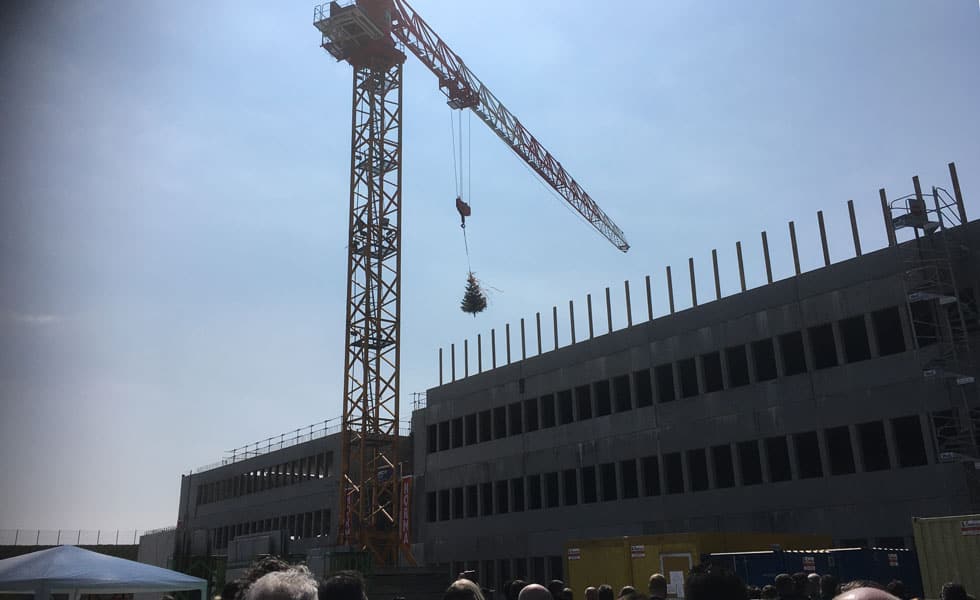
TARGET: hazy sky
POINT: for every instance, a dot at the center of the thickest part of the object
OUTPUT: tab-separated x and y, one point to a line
174	187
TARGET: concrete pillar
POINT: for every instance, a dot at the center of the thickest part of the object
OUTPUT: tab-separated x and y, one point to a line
927	438
661	471
649	300
537	321
872	336
765	255
823	239
493	348
684	472
588	305
466	358
838	342
676	371
750	360
824	452
796	251
629	305
554	320
440	366
856	448
694	287
807	349
699	369
725	384
777	348
523	342
670	291
571	319
709	458
854	228
714	265
903	314
892	444
479	353
452	361
507	340
764	459
741	265
736	464
794	466
609	326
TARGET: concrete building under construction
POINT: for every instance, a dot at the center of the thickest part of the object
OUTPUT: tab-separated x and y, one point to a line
840	401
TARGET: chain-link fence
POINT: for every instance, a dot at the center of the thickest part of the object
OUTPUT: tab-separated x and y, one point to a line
74	537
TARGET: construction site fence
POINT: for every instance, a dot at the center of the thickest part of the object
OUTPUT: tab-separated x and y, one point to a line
295	437
70	537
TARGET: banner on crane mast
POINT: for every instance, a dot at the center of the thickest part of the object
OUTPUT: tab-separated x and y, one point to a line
404	523
348	514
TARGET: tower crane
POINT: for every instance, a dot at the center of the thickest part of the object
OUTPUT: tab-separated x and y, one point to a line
370	35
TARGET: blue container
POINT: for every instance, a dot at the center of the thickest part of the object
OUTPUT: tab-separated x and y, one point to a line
847	564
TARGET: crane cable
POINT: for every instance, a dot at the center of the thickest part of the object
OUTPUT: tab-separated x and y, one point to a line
458	173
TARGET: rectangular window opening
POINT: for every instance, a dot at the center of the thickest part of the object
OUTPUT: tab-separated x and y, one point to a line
674	471
621	394
486	499
923	317
724	468
443	505
644	389
533	492
472	501
458	503
499	422
697	469
874	448
570	486
607	476
887	325
651	476
793	354
551	490
501	506
807	446
909	442
589	490
565	409
665	382
548	411
603	402
531	414
777	451
750	461
457	432
471	430
822	346
583	402
764	356
486	426
854	338
627	472
516	424
517	494
839	447
711	369
689	377
738	366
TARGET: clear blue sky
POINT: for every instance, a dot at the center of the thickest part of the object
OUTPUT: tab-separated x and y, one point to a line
174	188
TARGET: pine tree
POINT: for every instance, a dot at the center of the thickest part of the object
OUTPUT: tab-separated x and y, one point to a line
474	300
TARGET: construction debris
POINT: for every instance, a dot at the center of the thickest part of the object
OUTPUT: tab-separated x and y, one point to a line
474	300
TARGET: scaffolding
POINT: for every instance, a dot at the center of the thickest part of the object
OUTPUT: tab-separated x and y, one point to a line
940	319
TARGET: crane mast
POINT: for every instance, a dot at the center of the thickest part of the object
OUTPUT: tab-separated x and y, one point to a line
365	34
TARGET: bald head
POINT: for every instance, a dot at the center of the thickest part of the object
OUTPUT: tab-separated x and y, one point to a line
865	593
534	592
463	589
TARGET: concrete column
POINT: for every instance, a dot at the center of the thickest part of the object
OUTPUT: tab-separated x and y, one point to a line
609	326
903	314
725	384
493	348
571	319
927	438
670	291
641	478
796	251
823	239
838	343
750	360
684	473
676	371
661	472
466	358
554	321
856	448
872	337
777	348
892	444
741	265
765	255
479	353
699	369
618	469
537	321
714	265
807	350
854	228
507	340
588	305
629	304
440	366
824	452
452	361
709	458
523	342
649	300
736	464
764	459
794	467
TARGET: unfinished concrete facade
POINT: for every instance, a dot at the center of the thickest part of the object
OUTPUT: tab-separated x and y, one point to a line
814	404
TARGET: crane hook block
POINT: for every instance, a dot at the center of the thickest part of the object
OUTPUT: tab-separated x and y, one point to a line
464	211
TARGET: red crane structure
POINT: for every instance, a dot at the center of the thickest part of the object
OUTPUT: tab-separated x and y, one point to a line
370	35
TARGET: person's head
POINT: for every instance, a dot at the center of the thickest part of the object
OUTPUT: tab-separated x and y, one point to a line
828	586
263	566
591	593
784	585
555	587
658	586
515	588
952	591
861	583
864	592
706	583
230	590
566	594
463	589
812	585
535	592
343	585
605	592
626	591
295	583
896	587
769	592
799	583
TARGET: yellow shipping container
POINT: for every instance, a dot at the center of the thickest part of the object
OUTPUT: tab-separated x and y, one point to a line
949	550
630	560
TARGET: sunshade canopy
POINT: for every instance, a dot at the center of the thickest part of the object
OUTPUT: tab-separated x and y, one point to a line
78	571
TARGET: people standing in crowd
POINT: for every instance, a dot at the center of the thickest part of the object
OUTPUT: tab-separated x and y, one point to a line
799	585
705	583
952	591
343	585
555	587
658	587
605	592
535	592
463	589
566	594
295	583
896	588
785	589
813	586
828	587
769	592
626	591
514	590
591	593
864	590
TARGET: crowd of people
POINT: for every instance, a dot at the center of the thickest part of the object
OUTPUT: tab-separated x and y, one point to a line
274	579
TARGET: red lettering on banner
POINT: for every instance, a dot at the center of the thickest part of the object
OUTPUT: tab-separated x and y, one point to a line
406	511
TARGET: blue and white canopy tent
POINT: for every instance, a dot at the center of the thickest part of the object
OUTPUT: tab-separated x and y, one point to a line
75	571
